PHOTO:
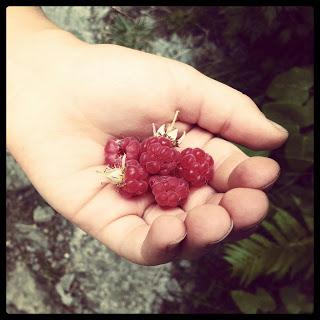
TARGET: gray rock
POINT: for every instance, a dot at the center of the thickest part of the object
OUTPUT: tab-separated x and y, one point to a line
82	21
112	284
185	264
181	49
36	267
66	298
43	214
32	233
23	293
173	286
63	287
66	281
60	237
16	178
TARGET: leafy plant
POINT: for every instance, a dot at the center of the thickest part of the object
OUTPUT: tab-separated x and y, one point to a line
178	19
252	303
293	301
135	33
287	248
293	107
284	247
252	153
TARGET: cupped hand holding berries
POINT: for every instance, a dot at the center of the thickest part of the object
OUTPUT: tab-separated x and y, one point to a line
67	98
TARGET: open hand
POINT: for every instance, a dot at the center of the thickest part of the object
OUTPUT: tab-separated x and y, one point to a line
66	98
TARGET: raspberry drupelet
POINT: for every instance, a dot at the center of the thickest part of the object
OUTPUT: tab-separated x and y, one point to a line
116	148
195	166
135	180
169	191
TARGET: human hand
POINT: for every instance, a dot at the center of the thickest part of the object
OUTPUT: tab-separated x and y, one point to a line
66	98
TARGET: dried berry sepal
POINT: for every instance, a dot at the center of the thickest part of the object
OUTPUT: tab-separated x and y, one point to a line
169	131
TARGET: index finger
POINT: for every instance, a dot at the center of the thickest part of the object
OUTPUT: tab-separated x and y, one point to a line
223	110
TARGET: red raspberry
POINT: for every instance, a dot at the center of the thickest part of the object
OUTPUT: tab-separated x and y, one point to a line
157	153
115	148
145	144
131	178
169	191
157	157
135	180
195	166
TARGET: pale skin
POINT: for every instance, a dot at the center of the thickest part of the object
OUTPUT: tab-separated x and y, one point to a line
65	98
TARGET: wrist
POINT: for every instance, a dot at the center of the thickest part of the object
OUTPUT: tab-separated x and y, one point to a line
25	25
23	21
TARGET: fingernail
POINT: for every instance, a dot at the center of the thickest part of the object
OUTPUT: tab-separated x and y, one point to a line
254	226
176	243
278	126
227	233
268	186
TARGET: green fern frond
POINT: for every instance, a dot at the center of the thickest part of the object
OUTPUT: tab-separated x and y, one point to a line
132	33
288	249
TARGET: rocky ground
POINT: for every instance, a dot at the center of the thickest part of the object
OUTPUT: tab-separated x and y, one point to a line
54	267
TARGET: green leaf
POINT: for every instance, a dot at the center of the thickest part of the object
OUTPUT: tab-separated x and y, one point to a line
261	240
250	303
308	112
290	115
292	85
252	153
284	112
299	151
245	301
300	191
310	103
287	249
305	250
273	230
310	271
289	225
294	301
305	206
309	220
266	302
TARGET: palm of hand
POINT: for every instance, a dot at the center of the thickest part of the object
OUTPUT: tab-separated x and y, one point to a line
65	149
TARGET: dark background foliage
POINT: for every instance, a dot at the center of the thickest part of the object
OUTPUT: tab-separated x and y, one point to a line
267	53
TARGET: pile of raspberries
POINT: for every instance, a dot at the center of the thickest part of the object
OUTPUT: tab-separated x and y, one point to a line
135	166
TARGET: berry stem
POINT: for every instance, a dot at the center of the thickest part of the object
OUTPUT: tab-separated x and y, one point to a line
154	129
171	126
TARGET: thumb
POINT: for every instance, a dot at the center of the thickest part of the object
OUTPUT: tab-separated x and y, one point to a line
223	110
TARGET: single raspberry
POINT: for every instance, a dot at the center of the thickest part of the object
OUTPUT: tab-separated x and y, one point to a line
116	148
131	178
135	179
195	166
158	158
169	191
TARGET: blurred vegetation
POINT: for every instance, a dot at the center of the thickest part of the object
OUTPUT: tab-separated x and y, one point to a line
267	53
